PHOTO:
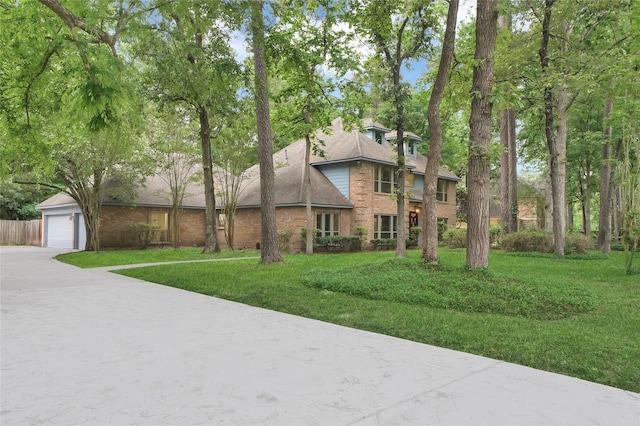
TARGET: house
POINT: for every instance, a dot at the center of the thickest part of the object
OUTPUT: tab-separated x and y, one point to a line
351	186
63	222
531	203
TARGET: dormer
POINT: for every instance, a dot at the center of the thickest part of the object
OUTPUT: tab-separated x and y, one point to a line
375	130
411	141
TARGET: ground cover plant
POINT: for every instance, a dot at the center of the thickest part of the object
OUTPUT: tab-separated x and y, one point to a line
591	328
92	259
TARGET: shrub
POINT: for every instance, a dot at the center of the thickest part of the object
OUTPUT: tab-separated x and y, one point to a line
346	243
361	232
442	228
143	232
541	241
576	243
455	238
414	234
284	237
495	232
524	241
381	243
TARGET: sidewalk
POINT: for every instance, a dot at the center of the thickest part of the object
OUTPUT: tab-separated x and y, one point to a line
94	348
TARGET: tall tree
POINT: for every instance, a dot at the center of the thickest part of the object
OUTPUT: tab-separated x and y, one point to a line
269	252
508	157
68	99
400	31
190	63
480	136
430	239
311	57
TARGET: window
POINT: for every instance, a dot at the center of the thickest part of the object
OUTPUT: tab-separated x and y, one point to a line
222	220
411	179
328	224
385	179
441	190
161	220
385	226
411	148
379	136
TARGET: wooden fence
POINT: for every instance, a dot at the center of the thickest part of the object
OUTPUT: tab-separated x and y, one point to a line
21	232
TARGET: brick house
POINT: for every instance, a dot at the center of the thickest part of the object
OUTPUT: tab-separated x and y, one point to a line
351	186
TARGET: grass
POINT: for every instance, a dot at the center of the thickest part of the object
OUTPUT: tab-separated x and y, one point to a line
586	324
90	259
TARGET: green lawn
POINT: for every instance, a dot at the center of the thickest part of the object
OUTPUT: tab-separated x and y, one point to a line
577	316
91	259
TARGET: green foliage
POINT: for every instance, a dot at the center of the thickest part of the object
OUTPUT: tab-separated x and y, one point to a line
455	238
303	233
342	243
442	228
408	281
384	243
284	238
143	233
541	241
17	202
495	232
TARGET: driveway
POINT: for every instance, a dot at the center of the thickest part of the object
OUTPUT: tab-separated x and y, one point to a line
94	348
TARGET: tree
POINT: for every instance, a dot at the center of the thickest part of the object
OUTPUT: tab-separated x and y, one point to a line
399	31
269	237
430	239
176	156
191	64
306	46
508	157
68	100
480	136
235	150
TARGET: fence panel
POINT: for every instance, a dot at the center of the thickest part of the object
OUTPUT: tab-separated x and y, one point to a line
21	232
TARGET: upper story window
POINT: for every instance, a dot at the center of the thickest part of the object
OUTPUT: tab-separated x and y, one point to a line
441	190
384	179
411	148
379	136
411	179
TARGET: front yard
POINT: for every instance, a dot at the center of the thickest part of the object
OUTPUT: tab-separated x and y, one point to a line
577	316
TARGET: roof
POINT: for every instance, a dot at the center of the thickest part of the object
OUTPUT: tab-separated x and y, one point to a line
289	184
153	192
370	123
344	146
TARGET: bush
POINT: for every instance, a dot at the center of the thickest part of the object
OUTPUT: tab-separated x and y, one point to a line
442	228
284	237
541	241
345	243
455	238
576	243
384	243
414	234
361	232
143	232
495	232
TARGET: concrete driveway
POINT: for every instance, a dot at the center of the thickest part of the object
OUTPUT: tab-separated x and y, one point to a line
94	348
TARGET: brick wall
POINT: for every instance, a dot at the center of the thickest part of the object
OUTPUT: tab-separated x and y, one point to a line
115	224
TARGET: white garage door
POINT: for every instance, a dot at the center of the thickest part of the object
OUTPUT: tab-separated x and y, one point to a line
59	231
81	232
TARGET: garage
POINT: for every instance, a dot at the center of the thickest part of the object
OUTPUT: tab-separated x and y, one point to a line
63	223
58	231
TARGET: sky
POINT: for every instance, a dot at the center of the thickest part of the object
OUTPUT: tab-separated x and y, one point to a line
466	12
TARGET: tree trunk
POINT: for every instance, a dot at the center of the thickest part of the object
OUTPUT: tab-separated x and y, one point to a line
606	178
429	203
508	160
269	236
211	238
480	136
587	201
401	247
307	192
552	146
560	195
548	199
